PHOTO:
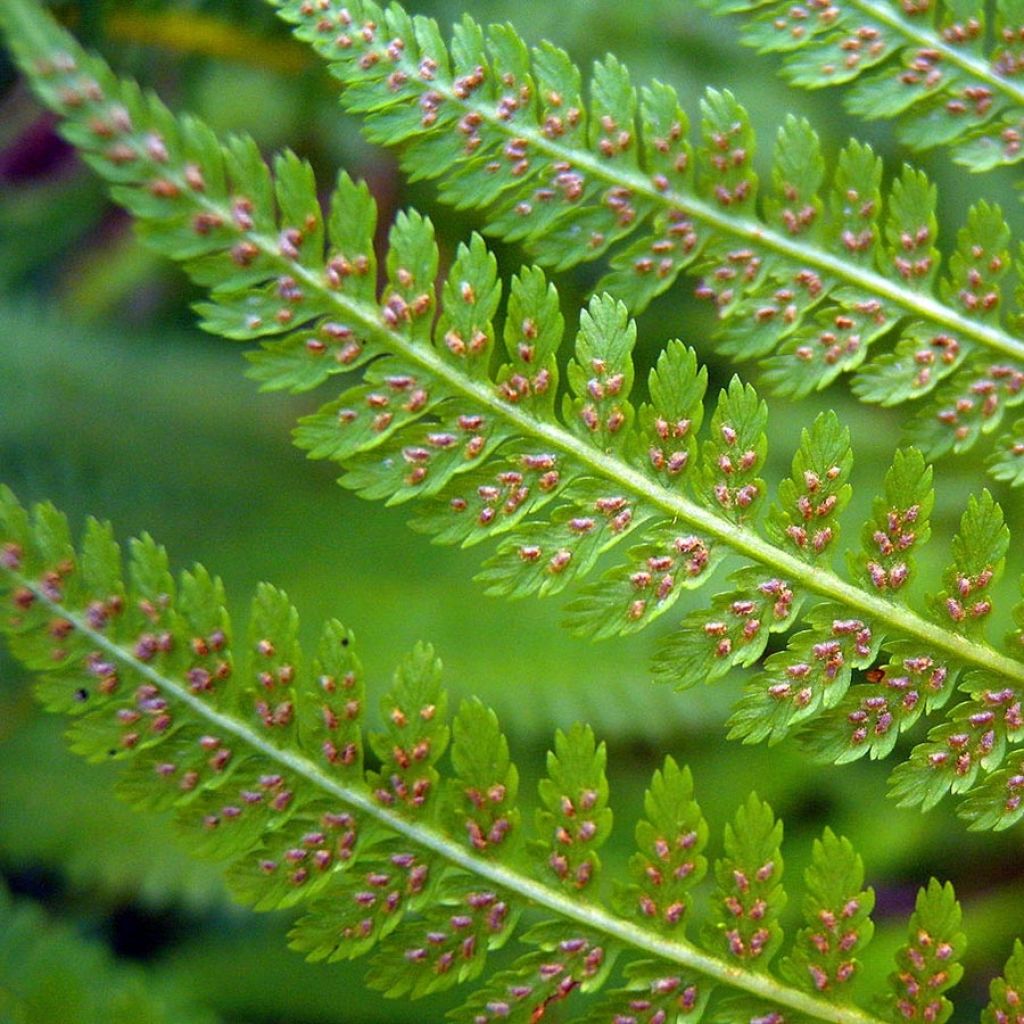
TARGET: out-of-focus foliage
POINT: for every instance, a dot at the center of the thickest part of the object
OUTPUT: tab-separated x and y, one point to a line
48	973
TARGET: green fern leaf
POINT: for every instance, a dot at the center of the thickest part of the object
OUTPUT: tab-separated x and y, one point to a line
974	738
970	405
814	672
487	783
414	736
651	996
809	290
749	896
928	965
837	912
898	525
355	912
669	862
428	877
806	515
449	945
733	631
485	455
575	818
734	452
870	718
1006	991
935	69
979	554
564	964
1005	462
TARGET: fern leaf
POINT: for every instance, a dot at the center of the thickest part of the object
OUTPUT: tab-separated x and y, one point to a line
356	912
671	840
651	995
870	718
749	896
837	912
973	403
814	672
998	801
809	286
1005	462
575	816
487	783
486	456
397	860
928	964
979	554
1006	991
565	963
945	76
811	500
898	525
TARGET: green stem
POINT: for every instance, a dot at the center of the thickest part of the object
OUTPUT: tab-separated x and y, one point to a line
743	229
586	915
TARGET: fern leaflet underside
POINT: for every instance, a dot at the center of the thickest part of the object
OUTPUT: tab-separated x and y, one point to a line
487	458
807	286
946	75
260	750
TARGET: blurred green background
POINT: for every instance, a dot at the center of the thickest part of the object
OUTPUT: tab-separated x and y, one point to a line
113	404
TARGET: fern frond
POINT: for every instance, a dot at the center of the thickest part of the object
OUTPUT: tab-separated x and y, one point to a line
1007	992
488	458
812	285
258	749
944	72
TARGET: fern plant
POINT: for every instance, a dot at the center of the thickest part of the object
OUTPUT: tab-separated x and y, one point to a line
806	285
945	71
563	467
488	456
263	755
